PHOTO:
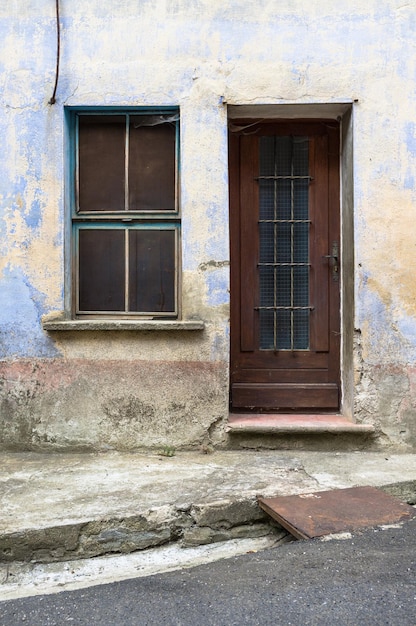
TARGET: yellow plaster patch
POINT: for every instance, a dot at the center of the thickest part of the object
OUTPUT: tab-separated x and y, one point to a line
388	246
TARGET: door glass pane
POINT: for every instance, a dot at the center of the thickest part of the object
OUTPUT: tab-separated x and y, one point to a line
101	162
101	270
284	243
152	163
152	271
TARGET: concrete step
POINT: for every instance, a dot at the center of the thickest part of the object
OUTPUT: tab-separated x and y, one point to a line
319	432
59	507
295	424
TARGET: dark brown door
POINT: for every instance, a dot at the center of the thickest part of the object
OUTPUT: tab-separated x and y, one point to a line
285	266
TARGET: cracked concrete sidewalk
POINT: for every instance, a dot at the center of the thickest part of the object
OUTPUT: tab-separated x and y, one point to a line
57	507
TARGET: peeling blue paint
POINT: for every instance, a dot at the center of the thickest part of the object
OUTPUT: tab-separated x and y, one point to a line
14	202
407	327
409	180
21	334
410	130
218	287
34	217
32	214
390	338
191	247
217	244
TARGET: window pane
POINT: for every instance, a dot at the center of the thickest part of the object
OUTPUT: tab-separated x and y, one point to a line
101	270
151	164
152	271
101	162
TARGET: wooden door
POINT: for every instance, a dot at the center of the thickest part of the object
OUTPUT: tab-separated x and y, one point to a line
285	278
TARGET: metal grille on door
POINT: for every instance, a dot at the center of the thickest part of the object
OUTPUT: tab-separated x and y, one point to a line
284	265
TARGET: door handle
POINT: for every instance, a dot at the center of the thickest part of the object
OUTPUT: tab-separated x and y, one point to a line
335	260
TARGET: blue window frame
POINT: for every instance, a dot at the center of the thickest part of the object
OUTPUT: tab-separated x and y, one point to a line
124	197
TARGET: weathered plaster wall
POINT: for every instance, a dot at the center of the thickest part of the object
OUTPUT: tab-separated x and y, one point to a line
198	55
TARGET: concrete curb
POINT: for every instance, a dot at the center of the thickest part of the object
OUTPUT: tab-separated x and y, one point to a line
192	526
67	507
197	525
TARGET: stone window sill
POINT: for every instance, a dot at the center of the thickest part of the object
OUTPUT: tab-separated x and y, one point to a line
51	324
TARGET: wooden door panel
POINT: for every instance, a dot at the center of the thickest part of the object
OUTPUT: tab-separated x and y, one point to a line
284	375
280	395
268	360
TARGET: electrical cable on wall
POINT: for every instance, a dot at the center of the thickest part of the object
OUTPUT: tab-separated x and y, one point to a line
58	53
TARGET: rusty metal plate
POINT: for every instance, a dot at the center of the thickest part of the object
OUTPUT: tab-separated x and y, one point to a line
325	512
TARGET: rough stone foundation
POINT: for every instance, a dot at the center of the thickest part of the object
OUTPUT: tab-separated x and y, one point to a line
55	404
193	525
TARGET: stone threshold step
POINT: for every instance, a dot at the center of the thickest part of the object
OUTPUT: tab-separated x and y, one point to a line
294	424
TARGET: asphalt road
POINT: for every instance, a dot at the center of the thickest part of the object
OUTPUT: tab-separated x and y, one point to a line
369	579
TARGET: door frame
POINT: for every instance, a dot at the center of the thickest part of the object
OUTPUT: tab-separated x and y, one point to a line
343	113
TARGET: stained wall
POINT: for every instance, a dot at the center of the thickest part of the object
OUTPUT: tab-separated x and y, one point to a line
127	389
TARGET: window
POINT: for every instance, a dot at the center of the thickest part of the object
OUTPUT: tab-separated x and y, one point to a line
125	213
